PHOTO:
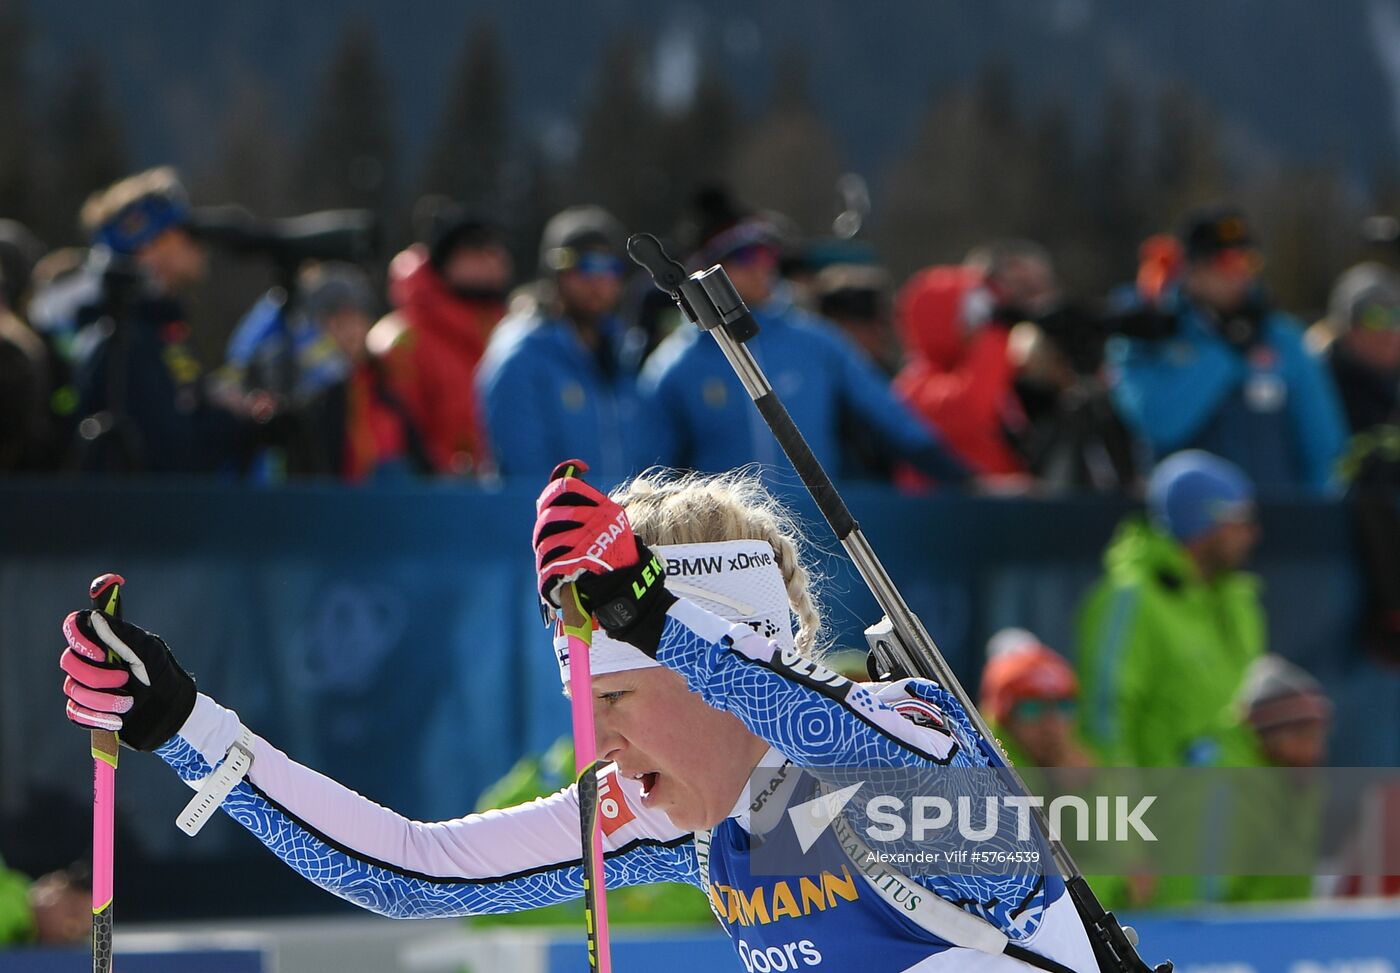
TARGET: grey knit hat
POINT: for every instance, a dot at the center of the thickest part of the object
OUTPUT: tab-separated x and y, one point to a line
331	287
1277	692
1365	286
578	228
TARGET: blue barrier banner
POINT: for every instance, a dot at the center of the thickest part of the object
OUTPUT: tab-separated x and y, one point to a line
390	638
80	961
1268	942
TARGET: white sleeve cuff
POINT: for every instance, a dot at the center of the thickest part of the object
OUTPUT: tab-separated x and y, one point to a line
709	626
211	729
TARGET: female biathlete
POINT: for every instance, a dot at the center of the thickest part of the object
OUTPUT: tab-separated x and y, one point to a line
700	682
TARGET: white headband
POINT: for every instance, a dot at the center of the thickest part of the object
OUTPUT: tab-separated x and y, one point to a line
737	580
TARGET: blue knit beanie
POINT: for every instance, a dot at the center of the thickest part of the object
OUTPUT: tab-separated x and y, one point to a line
1192	491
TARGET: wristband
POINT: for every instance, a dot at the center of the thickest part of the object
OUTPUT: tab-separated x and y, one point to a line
630	603
217	785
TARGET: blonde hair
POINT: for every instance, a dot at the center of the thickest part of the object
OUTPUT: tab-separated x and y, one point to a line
669	508
104	204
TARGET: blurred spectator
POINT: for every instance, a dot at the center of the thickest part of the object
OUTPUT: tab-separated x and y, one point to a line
804	260
62	905
20	250
55	909
27	430
449	294
1234	377
143	403
1280	718
1166	635
856	298
1362	344
956	323
365	429
706	419
279	351
16	916
1030	698
66	294
1360	339
559	378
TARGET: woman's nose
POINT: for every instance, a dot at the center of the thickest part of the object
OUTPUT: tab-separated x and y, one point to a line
608	741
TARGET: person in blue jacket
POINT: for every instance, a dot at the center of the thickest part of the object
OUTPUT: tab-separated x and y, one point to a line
703	416
562	377
1235	378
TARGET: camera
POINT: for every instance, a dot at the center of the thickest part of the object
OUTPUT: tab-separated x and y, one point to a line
350	235
1081	330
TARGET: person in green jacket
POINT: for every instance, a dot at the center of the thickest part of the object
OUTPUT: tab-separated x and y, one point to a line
661	903
1166	635
16	917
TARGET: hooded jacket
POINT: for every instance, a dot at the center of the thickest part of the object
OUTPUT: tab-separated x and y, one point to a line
1161	650
958	378
431	345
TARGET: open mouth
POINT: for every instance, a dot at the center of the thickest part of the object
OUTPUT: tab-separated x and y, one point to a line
649	783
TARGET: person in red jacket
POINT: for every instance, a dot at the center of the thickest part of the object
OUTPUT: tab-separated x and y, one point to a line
955	321
448	296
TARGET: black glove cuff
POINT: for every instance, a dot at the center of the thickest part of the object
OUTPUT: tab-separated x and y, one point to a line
148	727
630	603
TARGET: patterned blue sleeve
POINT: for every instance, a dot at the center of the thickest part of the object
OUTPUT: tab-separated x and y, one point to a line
401	892
814	716
819	719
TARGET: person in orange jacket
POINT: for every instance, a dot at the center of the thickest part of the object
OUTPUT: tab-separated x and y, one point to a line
955	321
448	293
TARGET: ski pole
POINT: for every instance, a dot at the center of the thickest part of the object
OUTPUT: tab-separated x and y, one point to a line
106	595
577	625
900	641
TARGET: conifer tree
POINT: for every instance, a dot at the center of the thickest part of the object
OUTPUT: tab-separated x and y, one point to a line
18	199
790	159
470	146
347	158
86	149
618	164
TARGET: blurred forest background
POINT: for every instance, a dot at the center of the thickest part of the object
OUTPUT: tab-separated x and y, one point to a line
1080	124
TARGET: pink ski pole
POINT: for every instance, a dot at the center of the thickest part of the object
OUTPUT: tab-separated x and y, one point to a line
578	630
105	592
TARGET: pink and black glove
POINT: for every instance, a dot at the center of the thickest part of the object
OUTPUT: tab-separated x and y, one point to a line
583	536
144	695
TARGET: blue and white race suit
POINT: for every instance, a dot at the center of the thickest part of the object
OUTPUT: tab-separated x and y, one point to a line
528	856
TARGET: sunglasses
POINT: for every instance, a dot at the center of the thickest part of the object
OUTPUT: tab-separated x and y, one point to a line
1034	709
594	263
1379	317
750	255
1238	261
